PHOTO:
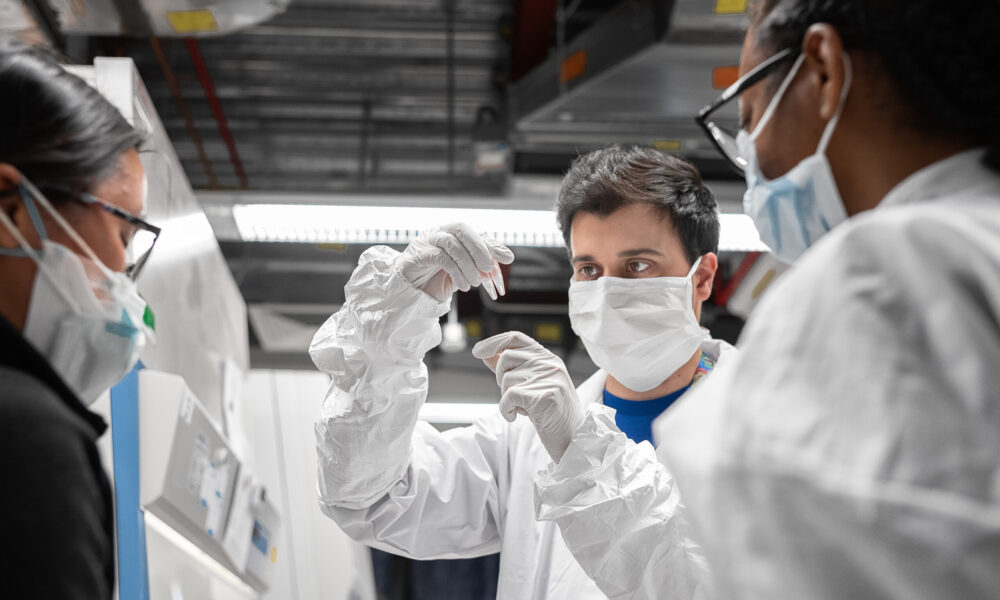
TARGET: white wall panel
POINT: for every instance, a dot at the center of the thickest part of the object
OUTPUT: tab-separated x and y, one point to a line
319	562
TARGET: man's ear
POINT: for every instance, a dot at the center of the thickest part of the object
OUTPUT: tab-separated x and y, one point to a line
704	277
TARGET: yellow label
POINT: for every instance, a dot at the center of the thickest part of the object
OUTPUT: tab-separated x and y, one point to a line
474	329
274	554
192	21
548	332
667	145
730	7
337	247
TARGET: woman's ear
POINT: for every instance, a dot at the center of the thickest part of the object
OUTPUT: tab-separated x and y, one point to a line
13	207
10	178
824	51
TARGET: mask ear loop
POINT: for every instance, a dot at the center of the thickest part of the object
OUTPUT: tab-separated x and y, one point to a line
25	247
832	125
773	106
58	218
36	220
33	214
694	268
690	277
35	256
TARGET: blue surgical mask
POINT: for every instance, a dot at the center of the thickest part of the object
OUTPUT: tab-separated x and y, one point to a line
793	211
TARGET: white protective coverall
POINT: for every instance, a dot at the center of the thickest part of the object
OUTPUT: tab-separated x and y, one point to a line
619	509
852	448
406	488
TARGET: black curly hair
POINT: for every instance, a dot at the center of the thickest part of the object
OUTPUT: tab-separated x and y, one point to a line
939	57
54	128
606	180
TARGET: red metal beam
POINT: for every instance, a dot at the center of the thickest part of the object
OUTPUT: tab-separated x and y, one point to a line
724	289
184	111
216	107
533	33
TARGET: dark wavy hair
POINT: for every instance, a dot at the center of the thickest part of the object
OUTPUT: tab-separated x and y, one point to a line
608	179
939	58
54	128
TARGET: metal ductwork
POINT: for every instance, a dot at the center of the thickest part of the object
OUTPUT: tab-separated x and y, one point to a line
637	75
164	18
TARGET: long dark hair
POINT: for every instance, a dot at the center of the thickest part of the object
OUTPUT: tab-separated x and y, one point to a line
54	128
939	58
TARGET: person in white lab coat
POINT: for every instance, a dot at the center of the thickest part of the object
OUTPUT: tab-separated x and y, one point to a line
402	486
852	448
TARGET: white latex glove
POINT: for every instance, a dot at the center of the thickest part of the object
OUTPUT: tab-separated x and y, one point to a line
533	382
454	257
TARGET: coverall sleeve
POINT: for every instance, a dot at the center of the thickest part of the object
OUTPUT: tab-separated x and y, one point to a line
388	481
620	514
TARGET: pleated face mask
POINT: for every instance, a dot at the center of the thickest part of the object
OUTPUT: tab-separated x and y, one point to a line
638	330
793	211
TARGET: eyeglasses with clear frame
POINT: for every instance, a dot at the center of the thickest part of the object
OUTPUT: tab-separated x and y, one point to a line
723	137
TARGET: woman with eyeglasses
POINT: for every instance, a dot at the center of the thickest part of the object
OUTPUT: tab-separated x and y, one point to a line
71	322
852	450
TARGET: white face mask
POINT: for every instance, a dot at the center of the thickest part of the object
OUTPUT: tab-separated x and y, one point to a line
794	210
638	330
88	321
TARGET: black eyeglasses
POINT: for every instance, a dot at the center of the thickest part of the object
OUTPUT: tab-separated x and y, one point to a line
723	137
139	247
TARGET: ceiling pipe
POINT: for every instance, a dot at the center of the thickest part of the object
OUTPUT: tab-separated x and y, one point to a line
184	111
534	21
216	107
366	120
449	9
563	15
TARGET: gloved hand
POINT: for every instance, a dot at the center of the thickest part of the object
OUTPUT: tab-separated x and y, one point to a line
454	257
533	382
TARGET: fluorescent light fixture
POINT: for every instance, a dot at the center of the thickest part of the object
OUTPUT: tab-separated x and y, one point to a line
455	413
335	224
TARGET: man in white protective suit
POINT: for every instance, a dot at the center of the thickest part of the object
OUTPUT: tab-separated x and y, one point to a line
643	231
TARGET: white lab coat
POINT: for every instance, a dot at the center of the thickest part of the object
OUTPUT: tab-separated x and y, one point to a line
852	448
402	486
